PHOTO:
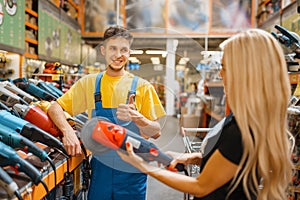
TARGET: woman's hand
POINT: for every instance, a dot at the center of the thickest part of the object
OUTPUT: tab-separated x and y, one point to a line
184	158
135	160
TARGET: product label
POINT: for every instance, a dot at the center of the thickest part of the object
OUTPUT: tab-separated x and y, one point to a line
135	143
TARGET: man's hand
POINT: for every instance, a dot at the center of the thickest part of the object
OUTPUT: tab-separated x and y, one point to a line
72	144
128	111
69	139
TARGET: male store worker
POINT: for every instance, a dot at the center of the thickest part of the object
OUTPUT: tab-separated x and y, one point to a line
122	98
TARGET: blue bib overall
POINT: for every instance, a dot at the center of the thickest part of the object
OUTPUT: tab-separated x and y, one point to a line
112	178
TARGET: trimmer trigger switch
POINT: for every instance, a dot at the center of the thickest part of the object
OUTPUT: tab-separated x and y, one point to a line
154	152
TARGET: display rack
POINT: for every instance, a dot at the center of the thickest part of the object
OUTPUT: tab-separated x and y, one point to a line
71	8
38	191
294	128
294	79
54	77
31	29
56	2
266	9
62	164
215	109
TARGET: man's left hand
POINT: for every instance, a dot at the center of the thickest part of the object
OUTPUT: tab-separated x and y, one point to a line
126	112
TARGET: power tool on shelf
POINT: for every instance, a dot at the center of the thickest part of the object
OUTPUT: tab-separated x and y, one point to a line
288	39
16	141
32	89
35	114
13	88
30	131
53	87
9	184
38	117
9	98
41	84
9	157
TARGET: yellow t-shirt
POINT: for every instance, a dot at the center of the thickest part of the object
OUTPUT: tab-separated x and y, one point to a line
114	90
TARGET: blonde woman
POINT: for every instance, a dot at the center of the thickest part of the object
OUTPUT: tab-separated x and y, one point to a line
246	156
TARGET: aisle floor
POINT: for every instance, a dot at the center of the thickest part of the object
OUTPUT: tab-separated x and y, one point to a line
169	140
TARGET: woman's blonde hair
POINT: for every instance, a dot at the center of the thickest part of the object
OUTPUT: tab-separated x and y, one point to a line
258	91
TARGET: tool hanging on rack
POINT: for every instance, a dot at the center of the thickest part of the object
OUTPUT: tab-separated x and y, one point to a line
290	40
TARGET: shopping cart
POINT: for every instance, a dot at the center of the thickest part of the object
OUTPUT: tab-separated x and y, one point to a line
192	142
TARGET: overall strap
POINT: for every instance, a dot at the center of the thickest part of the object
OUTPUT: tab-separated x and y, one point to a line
133	88
97	93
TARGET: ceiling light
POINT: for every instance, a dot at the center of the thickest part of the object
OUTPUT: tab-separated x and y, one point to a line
134	60
133	51
155	52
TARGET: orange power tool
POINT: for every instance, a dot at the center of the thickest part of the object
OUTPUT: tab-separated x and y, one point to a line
99	135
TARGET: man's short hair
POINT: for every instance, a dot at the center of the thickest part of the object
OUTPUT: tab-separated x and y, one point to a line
117	31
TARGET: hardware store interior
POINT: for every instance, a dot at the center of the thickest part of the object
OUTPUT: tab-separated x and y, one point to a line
47	46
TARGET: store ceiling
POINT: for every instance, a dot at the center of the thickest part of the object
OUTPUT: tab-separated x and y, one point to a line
190	48
187	47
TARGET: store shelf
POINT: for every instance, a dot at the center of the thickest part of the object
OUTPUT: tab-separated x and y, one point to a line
34	27
73	4
264	2
47	74
32	41
28	55
31	12
294	188
56	2
293	3
38	191
266	10
31	29
75	74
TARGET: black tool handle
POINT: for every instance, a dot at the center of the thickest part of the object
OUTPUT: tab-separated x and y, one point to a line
9	157
147	150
